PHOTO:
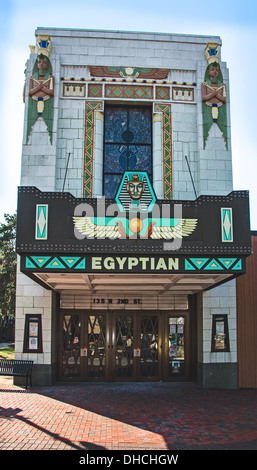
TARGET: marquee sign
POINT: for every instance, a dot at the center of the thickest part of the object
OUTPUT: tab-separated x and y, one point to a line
134	232
133	264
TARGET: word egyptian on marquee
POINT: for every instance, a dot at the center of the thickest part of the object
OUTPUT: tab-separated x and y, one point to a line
131	262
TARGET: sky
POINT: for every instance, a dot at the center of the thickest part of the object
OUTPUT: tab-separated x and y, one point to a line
235	21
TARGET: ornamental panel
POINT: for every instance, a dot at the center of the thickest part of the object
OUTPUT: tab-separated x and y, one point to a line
91	107
128	91
165	109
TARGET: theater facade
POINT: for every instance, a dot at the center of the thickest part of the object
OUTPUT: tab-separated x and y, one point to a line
130	238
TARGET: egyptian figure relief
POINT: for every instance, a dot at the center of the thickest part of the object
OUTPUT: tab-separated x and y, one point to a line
41	92
135	188
214	96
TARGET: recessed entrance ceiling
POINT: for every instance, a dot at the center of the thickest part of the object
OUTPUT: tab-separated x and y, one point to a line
156	284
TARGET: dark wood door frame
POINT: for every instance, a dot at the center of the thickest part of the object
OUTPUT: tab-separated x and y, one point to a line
140	361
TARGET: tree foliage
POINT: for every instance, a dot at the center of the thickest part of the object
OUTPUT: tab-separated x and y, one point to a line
7	265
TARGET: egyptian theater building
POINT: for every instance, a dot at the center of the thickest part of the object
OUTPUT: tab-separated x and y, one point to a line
130	238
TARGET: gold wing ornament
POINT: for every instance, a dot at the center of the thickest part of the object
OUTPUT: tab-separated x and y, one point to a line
87	227
183	229
113	228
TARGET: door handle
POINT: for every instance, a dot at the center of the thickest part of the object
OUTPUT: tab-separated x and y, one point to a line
83	352
137	352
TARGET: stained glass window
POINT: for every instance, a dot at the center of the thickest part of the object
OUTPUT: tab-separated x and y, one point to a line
127	144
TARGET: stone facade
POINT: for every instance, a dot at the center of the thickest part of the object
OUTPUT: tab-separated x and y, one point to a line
59	165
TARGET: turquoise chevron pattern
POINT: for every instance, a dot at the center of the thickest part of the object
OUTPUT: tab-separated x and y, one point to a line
213	264
56	262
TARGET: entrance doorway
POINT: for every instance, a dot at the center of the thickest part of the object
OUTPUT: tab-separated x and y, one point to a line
124	346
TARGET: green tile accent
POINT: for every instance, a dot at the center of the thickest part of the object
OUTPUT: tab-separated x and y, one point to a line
40	260
227	262
189	266
226	224
238	265
41	221
81	265
70	260
56	264
29	263
198	262
213	265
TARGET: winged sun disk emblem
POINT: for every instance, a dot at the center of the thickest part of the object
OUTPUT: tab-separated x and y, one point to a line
114	228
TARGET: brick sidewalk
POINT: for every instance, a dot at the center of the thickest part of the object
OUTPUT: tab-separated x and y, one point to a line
138	416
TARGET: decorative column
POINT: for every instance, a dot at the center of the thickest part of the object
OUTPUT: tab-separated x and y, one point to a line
157	155
164	110
91	108
98	154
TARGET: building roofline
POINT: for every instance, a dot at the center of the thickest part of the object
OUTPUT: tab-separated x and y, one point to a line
120	34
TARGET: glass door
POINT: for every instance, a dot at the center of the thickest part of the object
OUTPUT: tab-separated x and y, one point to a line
136	346
70	363
176	359
96	346
123	350
149	347
124	346
83	346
